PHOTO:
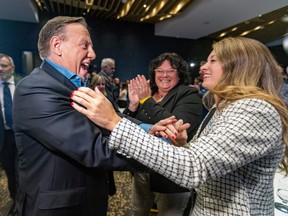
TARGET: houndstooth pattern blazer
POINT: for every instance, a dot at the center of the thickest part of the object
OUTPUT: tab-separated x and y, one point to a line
231	165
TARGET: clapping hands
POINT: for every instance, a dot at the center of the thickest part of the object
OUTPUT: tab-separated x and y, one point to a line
138	88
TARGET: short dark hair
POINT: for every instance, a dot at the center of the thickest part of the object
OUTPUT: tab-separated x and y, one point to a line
55	26
176	61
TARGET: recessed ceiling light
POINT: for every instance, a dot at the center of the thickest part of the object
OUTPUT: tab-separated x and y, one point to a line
285	18
222	34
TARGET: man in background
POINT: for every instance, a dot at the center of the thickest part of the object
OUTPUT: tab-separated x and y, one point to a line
7	139
107	71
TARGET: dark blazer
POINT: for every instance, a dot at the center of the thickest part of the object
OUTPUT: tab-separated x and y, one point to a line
185	103
64	159
182	101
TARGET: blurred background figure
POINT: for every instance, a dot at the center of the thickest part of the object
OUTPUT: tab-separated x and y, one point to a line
123	95
99	82
116	88
107	71
201	89
198	85
7	140
285	86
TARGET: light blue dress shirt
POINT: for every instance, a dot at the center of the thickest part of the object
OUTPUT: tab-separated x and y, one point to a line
74	78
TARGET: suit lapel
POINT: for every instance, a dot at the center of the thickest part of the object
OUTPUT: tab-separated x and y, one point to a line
57	75
170	94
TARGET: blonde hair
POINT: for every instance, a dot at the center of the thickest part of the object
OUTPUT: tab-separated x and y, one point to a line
94	81
250	71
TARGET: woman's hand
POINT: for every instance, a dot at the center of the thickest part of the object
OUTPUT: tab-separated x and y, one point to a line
181	137
133	96
159	129
175	131
98	108
143	87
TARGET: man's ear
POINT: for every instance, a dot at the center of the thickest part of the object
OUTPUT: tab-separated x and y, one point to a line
55	45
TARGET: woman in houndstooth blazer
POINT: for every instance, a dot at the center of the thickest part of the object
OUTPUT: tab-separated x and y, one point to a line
232	163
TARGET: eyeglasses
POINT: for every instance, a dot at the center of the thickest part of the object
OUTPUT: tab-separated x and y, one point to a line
169	71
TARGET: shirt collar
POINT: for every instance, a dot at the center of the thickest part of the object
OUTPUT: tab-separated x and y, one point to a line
74	78
10	81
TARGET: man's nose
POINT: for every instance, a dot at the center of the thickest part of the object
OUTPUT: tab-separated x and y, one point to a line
92	54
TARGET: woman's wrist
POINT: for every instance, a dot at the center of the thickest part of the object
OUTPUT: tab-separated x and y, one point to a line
133	106
112	124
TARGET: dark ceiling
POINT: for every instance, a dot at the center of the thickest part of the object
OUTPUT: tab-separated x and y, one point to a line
119	10
267	27
190	19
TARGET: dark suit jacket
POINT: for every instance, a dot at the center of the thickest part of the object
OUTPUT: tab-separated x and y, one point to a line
63	157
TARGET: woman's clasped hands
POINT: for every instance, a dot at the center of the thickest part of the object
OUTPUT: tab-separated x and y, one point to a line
173	129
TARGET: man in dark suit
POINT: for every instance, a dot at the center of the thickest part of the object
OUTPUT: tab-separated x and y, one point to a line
107	71
64	159
7	139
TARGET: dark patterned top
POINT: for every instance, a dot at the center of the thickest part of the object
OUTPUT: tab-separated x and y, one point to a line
231	165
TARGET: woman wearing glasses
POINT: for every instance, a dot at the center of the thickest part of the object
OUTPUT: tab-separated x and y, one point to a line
168	94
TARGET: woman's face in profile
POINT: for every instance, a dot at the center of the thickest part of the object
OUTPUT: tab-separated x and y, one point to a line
211	71
166	77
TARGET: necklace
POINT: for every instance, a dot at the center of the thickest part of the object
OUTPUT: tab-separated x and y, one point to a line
159	95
